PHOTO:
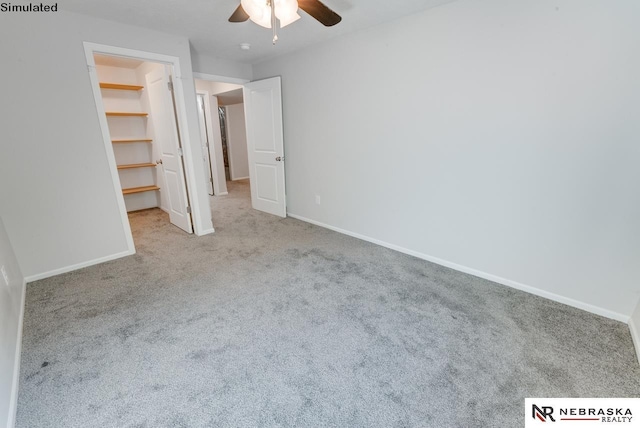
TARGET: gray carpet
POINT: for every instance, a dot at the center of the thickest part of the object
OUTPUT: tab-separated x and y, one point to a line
277	323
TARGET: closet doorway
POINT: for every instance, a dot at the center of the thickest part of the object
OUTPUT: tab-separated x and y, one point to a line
136	104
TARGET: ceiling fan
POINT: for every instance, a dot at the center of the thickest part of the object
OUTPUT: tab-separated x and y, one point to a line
266	12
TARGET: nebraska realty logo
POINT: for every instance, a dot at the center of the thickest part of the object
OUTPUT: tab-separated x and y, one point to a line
582	412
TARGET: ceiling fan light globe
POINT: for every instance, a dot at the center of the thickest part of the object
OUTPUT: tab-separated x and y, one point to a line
286	11
288	20
290	6
263	20
258	11
253	7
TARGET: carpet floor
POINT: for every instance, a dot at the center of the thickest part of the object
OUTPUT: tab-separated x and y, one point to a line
274	322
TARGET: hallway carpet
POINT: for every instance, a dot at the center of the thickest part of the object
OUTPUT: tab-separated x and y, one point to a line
273	322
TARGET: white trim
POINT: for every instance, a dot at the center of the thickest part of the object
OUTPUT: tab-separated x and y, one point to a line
223	194
108	145
221	79
229	145
189	157
635	335
66	269
13	403
213	161
509	283
206	232
92	48
239	178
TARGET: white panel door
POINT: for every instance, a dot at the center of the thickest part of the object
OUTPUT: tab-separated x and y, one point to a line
167	141
263	115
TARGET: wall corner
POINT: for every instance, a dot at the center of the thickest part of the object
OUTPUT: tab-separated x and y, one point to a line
634	328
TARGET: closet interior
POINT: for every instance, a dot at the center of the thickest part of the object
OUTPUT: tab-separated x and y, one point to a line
135	127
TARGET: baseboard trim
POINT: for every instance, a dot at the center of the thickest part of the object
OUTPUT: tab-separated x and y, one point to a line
222	194
504	281
206	232
635	335
13	404
77	266
239	178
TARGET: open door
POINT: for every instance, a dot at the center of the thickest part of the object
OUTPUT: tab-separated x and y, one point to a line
263	115
168	141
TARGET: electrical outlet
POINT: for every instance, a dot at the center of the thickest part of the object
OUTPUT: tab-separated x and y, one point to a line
317	199
4	275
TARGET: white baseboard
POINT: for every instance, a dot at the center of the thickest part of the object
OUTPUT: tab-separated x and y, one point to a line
634	329
239	178
206	232
222	194
77	266
13	404
509	283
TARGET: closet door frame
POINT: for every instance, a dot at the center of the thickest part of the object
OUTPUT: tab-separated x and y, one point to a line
201	226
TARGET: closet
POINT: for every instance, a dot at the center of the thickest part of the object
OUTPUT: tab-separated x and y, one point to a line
141	129
140	118
128	111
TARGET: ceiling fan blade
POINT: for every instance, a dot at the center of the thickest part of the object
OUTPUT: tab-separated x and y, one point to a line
239	15
319	11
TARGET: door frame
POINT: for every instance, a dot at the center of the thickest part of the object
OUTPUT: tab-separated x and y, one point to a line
213	165
221	79
230	149
181	114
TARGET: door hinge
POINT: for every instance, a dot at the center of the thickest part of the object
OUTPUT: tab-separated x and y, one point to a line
180	151
170	85
211	180
188	210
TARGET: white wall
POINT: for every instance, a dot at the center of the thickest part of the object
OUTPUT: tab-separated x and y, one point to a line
499	137
237	142
207	64
58	200
12	291
222	87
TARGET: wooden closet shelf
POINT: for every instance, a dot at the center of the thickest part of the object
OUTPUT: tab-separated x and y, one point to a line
137	165
139	189
133	140
105	85
126	113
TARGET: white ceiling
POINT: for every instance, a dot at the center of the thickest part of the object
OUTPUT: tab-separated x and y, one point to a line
230	97
205	23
